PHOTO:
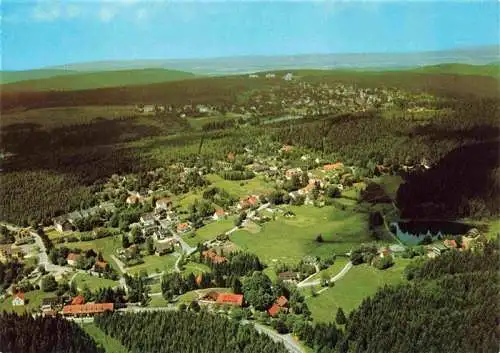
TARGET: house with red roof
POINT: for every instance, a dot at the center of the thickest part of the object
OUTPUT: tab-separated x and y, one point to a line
87	309
248	201
218	214
333	166
231	156
230	298
213	256
18	299
100	265
183	227
450	243
280	305
78	300
72	258
163	204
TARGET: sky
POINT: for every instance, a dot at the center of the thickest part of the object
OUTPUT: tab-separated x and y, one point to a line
44	33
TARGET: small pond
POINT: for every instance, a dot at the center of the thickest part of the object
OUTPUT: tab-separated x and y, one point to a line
413	232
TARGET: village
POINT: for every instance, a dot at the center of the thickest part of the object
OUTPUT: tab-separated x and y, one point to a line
194	221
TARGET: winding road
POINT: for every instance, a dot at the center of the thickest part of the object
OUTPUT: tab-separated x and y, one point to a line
335	278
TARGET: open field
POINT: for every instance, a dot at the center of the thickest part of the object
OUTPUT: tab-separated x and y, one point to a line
361	281
241	188
92	80
93	282
195	267
34	299
109	344
158	301
210	231
105	245
390	184
289	239
153	264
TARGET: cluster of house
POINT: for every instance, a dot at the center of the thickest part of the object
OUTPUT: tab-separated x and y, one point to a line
99	266
10	251
67	306
67	223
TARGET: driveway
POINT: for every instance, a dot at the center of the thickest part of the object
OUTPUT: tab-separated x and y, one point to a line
335	278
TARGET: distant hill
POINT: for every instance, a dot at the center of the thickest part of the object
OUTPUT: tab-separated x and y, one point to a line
16	76
92	80
462	69
244	64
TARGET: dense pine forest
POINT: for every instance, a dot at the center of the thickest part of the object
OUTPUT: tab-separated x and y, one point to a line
187	332
451	305
25	334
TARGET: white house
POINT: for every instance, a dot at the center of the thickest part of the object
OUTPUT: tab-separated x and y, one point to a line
219	214
18	299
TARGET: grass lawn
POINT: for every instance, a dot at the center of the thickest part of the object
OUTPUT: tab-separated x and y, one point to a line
241	188
185	200
210	231
109	344
34	299
390	184
269	271
93	282
290	239
155	288
152	263
54	234
156	301
348	293
196	268
106	245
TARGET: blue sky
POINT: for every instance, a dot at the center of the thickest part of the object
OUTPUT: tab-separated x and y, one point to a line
48	32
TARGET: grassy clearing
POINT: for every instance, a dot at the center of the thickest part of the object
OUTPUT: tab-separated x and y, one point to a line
289	239
210	231
109	344
360	282
196	268
157	301
93	282
390	184
105	245
241	188
33	298
188	199
153	264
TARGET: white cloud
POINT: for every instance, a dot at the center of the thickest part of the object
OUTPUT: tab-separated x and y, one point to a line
106	14
141	14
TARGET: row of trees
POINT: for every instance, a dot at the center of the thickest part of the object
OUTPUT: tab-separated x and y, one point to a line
185	331
26	334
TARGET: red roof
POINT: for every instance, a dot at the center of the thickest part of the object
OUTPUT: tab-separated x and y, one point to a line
451	243
230	156
88	308
101	264
19	295
212	255
73	257
333	166
282	301
274	310
220	212
229	298
182	226
78	300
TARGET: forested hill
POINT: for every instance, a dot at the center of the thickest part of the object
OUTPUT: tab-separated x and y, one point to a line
25	334
92	80
451	305
186	332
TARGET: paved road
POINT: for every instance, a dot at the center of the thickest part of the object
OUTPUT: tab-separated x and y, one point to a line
290	344
335	278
